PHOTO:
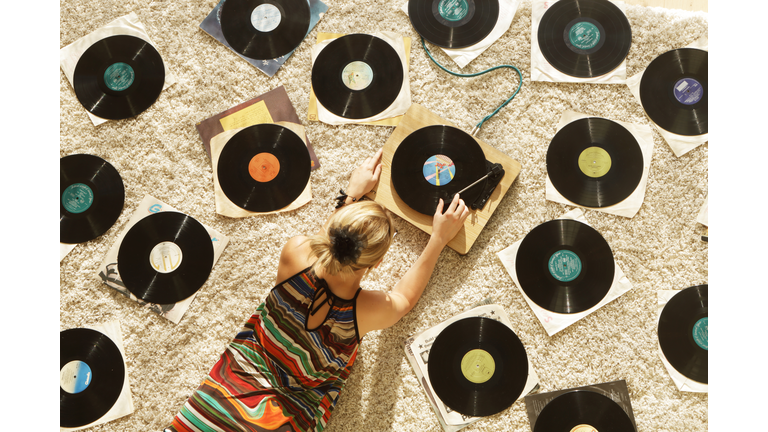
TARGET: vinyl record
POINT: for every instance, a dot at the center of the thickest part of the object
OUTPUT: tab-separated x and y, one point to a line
584	38
357	76
92	374
478	366
119	77
594	162
264	29
565	266
91	197
674	91
683	332
583	411
453	24
436	162
165	257
264	167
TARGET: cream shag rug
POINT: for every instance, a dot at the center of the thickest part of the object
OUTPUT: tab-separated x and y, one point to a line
160	153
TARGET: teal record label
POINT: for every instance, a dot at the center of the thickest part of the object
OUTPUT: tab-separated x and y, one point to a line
119	76
77	198
564	265
266	17
453	10
584	35
701	333
75	377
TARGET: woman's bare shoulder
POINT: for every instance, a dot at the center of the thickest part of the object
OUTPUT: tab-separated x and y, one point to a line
294	257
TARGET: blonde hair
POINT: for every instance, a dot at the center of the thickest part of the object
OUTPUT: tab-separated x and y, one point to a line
357	237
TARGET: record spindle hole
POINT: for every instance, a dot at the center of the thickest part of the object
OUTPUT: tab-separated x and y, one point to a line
77	198
688	91
478	366
594	162
564	265
264	167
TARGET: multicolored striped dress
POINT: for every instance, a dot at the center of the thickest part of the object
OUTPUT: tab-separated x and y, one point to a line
278	375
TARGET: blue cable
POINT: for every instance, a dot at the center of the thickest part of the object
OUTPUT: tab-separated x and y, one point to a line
486	118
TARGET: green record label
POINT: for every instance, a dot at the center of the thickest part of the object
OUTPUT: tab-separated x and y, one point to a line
119	76
584	35
701	333
594	162
564	265
478	366
77	198
453	10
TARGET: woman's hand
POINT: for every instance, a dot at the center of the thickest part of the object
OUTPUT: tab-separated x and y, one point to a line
446	225
365	177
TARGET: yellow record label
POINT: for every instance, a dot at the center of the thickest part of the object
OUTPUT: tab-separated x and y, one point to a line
594	162
478	366
583	428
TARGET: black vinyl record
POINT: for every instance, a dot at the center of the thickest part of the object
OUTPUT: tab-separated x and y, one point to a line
91	197
565	266
683	332
478	366
453	24
92	374
165	257
264	167
578	410
264	29
119	77
584	38
674	91
357	76
594	162
436	162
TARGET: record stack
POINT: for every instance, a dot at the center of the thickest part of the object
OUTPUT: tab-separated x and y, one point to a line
360	78
565	271
162	258
116	71
583	41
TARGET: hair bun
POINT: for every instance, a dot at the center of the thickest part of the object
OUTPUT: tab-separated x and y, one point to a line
346	246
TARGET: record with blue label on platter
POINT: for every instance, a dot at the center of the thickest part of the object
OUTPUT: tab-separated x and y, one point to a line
92	373
684	332
674	91
119	77
565	266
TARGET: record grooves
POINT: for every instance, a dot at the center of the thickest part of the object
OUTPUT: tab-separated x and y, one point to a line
674	91
357	76
478	366
583	410
264	29
85	398
91	197
119	77
683	332
165	257
264	167
565	266
594	162
453	24
435	162
584	38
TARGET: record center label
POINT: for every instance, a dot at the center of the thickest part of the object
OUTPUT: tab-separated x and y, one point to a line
564	265
77	198
584	35
453	10
165	257
583	428
119	76
266	17
594	162
688	91
264	167
357	75
701	333
478	366
439	170
75	377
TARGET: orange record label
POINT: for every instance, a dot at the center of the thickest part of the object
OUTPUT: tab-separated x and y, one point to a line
264	167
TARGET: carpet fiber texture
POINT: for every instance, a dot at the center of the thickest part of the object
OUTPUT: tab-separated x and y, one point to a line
160	153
